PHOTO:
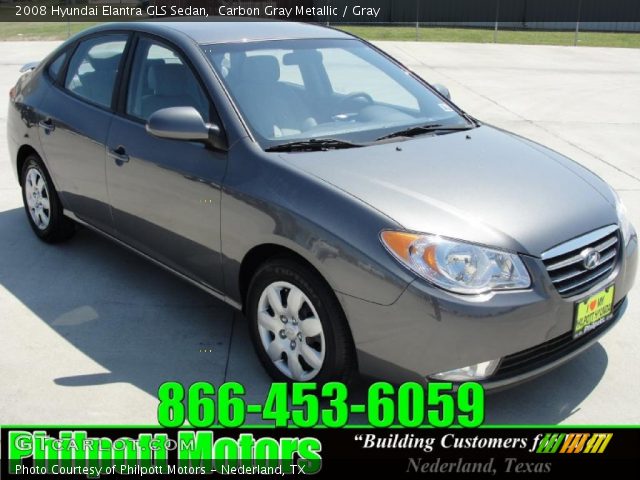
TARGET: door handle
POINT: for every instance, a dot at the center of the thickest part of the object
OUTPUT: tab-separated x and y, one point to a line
47	125
119	155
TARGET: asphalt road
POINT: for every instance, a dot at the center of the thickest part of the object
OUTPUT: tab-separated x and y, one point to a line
89	330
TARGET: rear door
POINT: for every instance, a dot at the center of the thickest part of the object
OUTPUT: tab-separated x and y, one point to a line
75	118
165	193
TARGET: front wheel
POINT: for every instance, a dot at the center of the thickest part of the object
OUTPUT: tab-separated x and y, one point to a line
297	326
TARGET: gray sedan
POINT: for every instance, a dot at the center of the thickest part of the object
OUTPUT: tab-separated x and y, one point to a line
360	219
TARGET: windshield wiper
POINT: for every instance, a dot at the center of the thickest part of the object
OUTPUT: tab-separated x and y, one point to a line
420	129
313	144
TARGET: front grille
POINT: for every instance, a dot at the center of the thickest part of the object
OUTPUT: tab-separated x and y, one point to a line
565	262
549	351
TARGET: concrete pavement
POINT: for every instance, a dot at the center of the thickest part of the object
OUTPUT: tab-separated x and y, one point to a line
89	330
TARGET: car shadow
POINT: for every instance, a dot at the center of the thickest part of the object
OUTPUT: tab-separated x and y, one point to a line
141	323
146	326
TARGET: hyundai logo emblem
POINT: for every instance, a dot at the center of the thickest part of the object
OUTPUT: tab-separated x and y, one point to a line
590	258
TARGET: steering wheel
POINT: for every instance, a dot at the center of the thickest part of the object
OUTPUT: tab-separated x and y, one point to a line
353	95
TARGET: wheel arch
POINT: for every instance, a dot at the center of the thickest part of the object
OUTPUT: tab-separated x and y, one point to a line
21	157
260	254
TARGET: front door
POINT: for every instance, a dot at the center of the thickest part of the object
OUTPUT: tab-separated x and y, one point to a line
165	194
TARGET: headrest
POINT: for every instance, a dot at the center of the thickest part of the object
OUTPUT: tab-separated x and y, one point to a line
105	64
261	68
168	79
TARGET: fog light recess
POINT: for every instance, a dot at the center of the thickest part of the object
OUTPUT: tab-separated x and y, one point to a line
479	371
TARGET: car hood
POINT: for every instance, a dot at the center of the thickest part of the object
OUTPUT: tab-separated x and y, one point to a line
483	185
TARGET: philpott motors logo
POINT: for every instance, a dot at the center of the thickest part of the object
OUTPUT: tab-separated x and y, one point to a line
571	442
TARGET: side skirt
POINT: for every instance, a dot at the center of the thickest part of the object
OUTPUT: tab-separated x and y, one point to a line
181	275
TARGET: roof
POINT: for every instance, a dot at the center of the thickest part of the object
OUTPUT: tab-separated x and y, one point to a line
207	32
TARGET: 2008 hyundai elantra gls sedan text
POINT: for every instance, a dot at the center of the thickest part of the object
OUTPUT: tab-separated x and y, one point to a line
359	218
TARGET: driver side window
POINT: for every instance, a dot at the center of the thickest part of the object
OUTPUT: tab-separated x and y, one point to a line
94	67
160	79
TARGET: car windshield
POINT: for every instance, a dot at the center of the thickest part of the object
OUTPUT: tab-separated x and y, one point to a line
297	90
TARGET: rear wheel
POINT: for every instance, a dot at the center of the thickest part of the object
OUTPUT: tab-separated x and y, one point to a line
297	326
42	204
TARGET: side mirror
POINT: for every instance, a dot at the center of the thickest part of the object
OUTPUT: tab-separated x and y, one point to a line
442	90
184	123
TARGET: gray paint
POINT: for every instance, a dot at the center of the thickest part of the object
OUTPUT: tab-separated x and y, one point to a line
199	211
470	186
166	199
456	332
74	154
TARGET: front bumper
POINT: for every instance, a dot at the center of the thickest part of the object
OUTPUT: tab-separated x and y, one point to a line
428	330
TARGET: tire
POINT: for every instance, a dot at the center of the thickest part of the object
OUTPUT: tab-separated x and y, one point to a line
42	204
323	347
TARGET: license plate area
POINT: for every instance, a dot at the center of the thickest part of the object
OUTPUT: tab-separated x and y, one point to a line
593	311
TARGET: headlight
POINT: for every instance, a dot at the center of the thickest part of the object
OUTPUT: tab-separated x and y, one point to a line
623	219
457	266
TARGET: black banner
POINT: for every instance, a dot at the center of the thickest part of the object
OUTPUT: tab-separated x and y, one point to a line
485	452
524	13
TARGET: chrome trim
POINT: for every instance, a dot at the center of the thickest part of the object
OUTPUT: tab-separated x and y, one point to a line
568	276
564	263
608	257
578	242
604	245
577	258
196	283
587	279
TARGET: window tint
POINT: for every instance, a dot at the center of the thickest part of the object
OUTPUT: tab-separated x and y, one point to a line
289	90
56	65
160	79
346	72
93	68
